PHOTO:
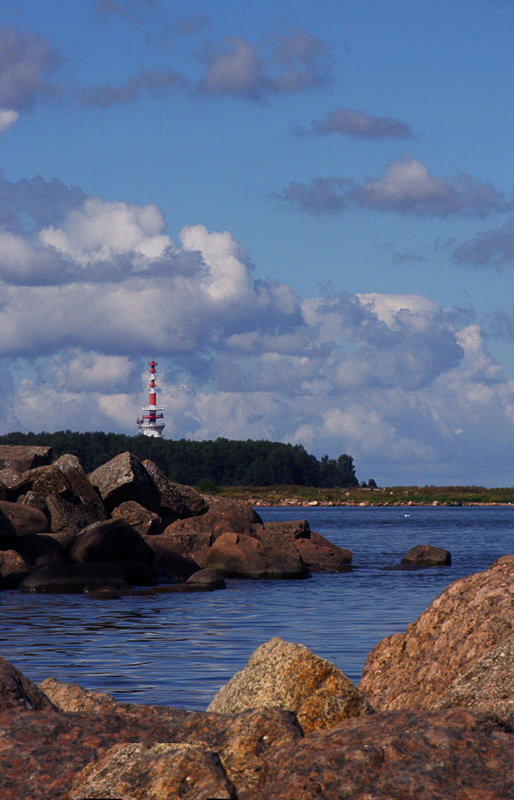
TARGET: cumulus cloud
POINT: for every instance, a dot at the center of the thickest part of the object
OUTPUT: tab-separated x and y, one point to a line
156	82
388	378
349	122
492	248
406	187
298	61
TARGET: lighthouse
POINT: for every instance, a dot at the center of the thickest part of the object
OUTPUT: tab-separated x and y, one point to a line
149	423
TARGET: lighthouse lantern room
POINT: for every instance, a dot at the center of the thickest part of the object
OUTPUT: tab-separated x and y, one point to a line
149	423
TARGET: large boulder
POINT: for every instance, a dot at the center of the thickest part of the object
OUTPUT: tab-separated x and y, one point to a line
21	519
398	755
18	693
167	558
125	478
23	457
74	578
112	540
159	772
417	668
318	554
290	676
237	555
42	481
221	517
13	568
185	542
177	500
141	519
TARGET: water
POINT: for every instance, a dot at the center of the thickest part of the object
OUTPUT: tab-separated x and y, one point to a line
179	649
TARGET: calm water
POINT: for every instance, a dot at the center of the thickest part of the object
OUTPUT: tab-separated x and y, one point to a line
179	649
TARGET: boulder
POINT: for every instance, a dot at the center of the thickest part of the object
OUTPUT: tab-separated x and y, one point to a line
5	492
185	542
24	519
318	554
72	469
221	517
141	519
423	555
13	568
125	478
177	501
470	617
158	772
113	540
72	513
401	755
136	573
42	481
71	697
24	457
10	477
36	545
18	693
74	578
208	577
488	685
291	677
165	557
237	555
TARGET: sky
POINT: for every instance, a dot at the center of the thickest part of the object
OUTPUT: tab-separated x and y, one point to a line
303	211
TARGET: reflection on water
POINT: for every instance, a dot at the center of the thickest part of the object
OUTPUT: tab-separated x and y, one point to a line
179	649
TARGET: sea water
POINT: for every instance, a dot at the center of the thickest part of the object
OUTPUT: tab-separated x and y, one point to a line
179	649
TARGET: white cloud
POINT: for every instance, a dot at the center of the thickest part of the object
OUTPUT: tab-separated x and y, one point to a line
7	118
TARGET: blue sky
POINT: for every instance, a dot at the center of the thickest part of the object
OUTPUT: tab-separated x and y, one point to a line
303	210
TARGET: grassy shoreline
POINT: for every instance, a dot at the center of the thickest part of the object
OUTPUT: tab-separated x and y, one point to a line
357	496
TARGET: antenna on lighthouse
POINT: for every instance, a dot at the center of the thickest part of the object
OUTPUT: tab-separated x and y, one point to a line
149	422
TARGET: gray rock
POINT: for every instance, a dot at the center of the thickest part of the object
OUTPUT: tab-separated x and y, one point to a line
291	677
125	478
177	500
22	457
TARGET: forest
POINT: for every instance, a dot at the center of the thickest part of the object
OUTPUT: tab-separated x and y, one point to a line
222	462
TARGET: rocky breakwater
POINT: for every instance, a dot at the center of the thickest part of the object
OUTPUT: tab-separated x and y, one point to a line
126	525
290	725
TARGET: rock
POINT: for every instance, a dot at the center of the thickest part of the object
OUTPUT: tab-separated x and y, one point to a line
145	522
125	478
177	501
5	492
468	619
36	545
159	772
136	573
185	542
17	692
291	677
165	557
73	513
9	477
113	540
209	577
488	685
317	553
220	518
34	500
13	568
74	472
423	555
43	751
74	578
24	457
42	481
24	519
71	697
237	555
401	755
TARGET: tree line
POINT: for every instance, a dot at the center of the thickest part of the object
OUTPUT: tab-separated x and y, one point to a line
222	462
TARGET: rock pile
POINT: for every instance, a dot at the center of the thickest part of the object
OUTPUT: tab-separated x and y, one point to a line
127	525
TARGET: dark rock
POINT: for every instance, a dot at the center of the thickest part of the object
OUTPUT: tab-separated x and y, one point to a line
13	568
177	565
423	555
36	501
72	513
240	556
113	540
220	518
35	545
291	677
125	478
417	668
136	573
24	519
74	578
17	692
401	755
159	772
185	542
208	577
5	492
74	472
24	457
177	501
145	522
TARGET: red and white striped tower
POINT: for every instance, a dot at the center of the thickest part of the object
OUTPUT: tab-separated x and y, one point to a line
148	423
